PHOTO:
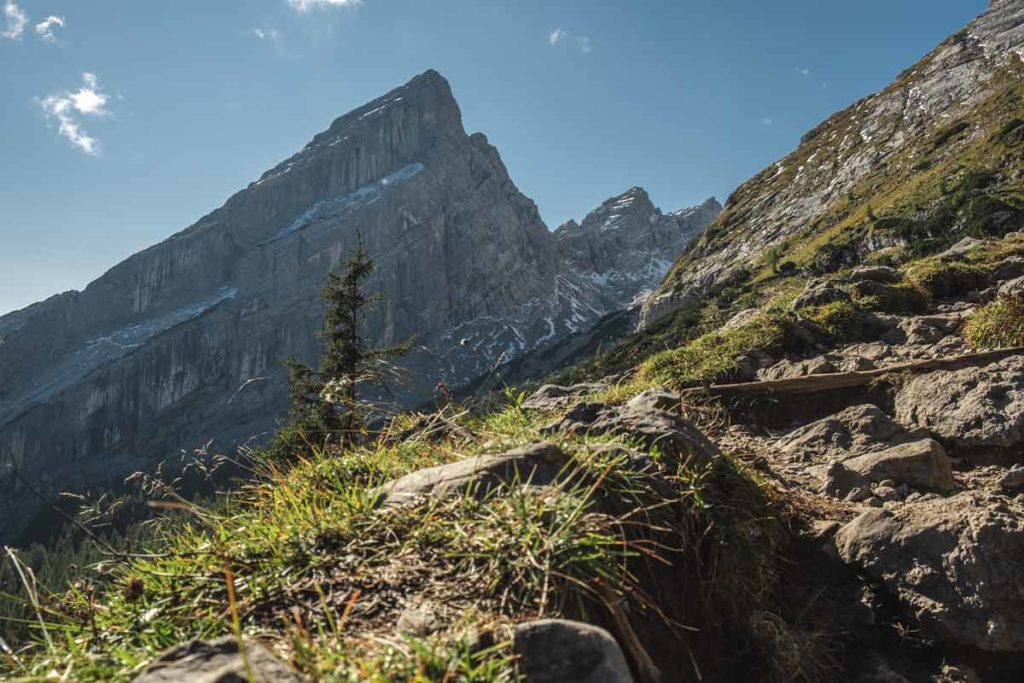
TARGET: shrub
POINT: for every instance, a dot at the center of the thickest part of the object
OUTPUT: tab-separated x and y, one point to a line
1000	324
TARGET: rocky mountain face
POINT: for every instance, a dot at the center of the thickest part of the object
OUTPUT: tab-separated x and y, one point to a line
621	245
181	343
884	157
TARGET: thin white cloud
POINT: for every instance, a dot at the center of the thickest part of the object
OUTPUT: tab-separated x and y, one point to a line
306	5
804	71
559	35
67	107
767	121
15	20
44	29
270	35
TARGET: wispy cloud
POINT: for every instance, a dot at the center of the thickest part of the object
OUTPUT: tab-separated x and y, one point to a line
306	5
44	29
67	107
804	71
560	35
15	20
271	35
767	121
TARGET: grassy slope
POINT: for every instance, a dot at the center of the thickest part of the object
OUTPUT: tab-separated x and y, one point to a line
303	558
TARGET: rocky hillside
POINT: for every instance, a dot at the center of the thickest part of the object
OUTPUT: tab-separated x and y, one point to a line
178	347
932	158
810	470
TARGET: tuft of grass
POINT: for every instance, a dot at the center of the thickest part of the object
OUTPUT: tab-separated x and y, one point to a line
903	298
713	356
943	280
999	324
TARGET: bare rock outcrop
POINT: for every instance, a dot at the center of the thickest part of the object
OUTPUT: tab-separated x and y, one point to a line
953	563
534	465
854	431
970	409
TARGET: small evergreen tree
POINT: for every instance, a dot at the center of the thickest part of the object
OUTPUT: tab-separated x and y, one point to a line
324	402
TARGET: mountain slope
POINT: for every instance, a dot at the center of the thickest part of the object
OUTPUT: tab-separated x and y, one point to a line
180	344
899	156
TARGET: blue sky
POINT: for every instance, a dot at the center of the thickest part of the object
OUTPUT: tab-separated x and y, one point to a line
123	121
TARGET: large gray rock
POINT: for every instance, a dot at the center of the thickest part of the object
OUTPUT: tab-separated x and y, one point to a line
819	293
958	251
973	408
560	651
217	661
554	397
921	465
880	274
788	369
851	432
179	345
534	465
1009	268
674	437
953	563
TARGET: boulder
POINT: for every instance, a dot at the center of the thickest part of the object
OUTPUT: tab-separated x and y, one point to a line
873	351
959	250
787	369
1010	268
921	464
819	293
536	465
742	318
1013	480
217	661
953	563
917	331
674	437
881	274
1014	287
972	408
853	431
656	399
554	397
561	651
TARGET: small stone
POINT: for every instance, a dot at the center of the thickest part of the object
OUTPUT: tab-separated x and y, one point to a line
858	495
873	502
419	620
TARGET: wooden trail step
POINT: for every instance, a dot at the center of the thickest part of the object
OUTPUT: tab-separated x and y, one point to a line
814	384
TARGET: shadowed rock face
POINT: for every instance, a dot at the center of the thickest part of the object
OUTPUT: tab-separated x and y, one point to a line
180	344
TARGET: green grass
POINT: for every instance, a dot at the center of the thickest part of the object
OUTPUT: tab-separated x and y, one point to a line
999	324
713	356
304	559
944	280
